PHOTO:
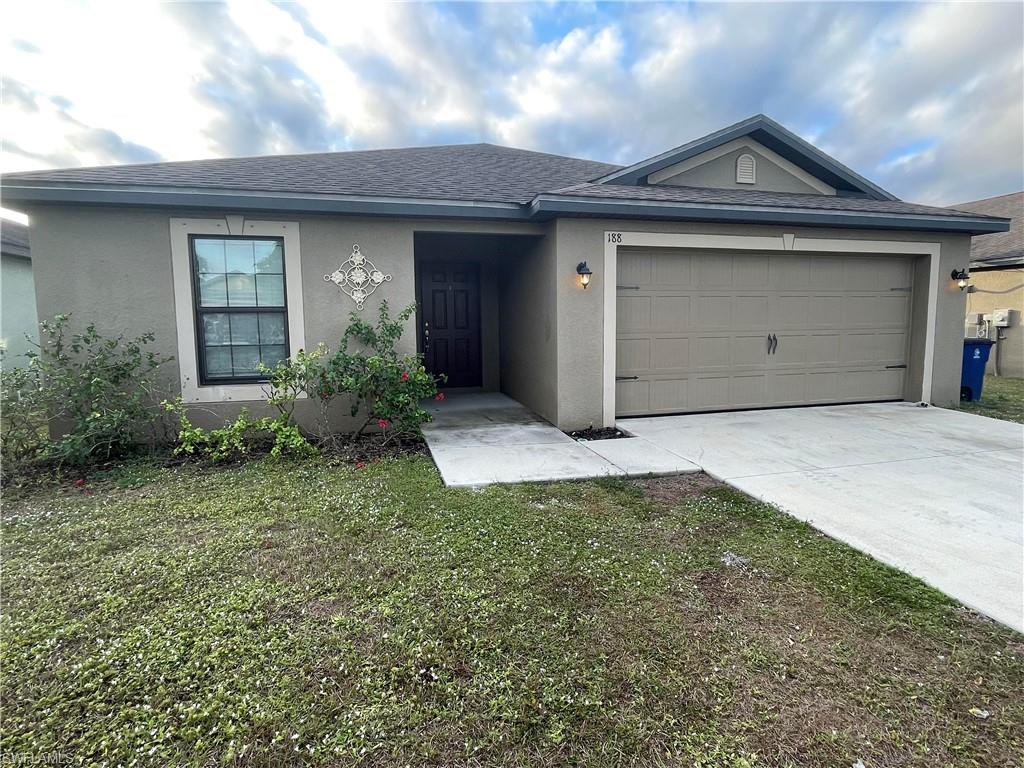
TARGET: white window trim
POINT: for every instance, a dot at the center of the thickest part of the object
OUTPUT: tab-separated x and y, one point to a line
613	240
755	148
184	312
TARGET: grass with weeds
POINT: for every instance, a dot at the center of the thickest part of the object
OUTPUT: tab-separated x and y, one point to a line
311	613
1001	398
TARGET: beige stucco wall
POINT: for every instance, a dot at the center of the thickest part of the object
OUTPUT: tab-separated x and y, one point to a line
528	317
580	313
112	266
1010	286
720	173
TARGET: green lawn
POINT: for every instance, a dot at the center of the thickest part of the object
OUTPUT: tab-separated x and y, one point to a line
318	614
1001	398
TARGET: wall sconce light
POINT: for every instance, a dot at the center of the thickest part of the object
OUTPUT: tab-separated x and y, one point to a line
960	276
584	272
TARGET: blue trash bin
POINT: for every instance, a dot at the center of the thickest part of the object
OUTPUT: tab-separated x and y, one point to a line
972	373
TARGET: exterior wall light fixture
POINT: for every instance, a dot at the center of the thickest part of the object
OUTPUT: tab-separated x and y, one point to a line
584	272
960	276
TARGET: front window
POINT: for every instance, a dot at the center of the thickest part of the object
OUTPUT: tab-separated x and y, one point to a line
241	312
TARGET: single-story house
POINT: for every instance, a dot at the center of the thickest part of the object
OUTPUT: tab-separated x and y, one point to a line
745	269
996	300
17	294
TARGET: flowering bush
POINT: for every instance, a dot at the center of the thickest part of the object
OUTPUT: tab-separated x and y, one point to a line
384	387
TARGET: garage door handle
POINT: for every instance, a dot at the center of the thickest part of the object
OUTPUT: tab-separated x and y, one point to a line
627	378
628	287
888	367
773	343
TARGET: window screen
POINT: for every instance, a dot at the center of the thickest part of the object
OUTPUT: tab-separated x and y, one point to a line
241	313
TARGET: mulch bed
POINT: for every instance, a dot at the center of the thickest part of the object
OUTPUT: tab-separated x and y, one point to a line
597	433
367	448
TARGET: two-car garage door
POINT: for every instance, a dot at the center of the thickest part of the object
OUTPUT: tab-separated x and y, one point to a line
700	330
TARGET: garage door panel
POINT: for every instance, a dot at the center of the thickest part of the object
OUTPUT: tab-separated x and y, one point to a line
749	313
789	272
787	388
712	312
748	351
893	310
669	395
747	391
696	332
711	352
711	393
713	271
635	268
633	355
750	271
633	313
633	397
671	313
826	273
822	349
859	311
892	273
873	348
790	311
673	270
824	310
671	353
861	274
871	385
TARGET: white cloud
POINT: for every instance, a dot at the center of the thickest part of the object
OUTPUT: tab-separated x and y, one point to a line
925	99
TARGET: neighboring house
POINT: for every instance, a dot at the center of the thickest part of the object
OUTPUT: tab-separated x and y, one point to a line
997	283
745	269
17	294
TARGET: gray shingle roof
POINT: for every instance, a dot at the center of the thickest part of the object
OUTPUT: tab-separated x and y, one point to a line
477	172
13	238
1002	249
468	180
751	197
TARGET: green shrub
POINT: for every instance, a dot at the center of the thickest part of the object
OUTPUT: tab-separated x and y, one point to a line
96	395
384	387
237	438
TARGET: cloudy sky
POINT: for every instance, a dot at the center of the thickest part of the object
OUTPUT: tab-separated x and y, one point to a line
923	98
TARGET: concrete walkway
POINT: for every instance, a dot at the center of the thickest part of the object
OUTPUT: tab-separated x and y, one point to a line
486	438
936	493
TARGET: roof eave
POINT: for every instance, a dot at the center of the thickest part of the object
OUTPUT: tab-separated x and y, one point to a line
550	206
237	200
543	207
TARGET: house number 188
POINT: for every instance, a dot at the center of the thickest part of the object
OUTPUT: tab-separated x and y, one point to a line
614	237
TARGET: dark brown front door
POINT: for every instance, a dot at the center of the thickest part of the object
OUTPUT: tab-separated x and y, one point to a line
450	320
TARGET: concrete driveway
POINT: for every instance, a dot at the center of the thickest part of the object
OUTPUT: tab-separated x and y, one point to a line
936	493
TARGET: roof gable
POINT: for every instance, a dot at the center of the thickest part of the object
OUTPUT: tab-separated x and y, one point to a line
718	168
773	137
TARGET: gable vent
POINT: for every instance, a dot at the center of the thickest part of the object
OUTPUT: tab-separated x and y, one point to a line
746	169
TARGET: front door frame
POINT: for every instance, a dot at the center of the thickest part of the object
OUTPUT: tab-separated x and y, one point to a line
614	239
421	267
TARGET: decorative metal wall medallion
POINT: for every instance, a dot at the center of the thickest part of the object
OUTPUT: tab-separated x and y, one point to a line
357	277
